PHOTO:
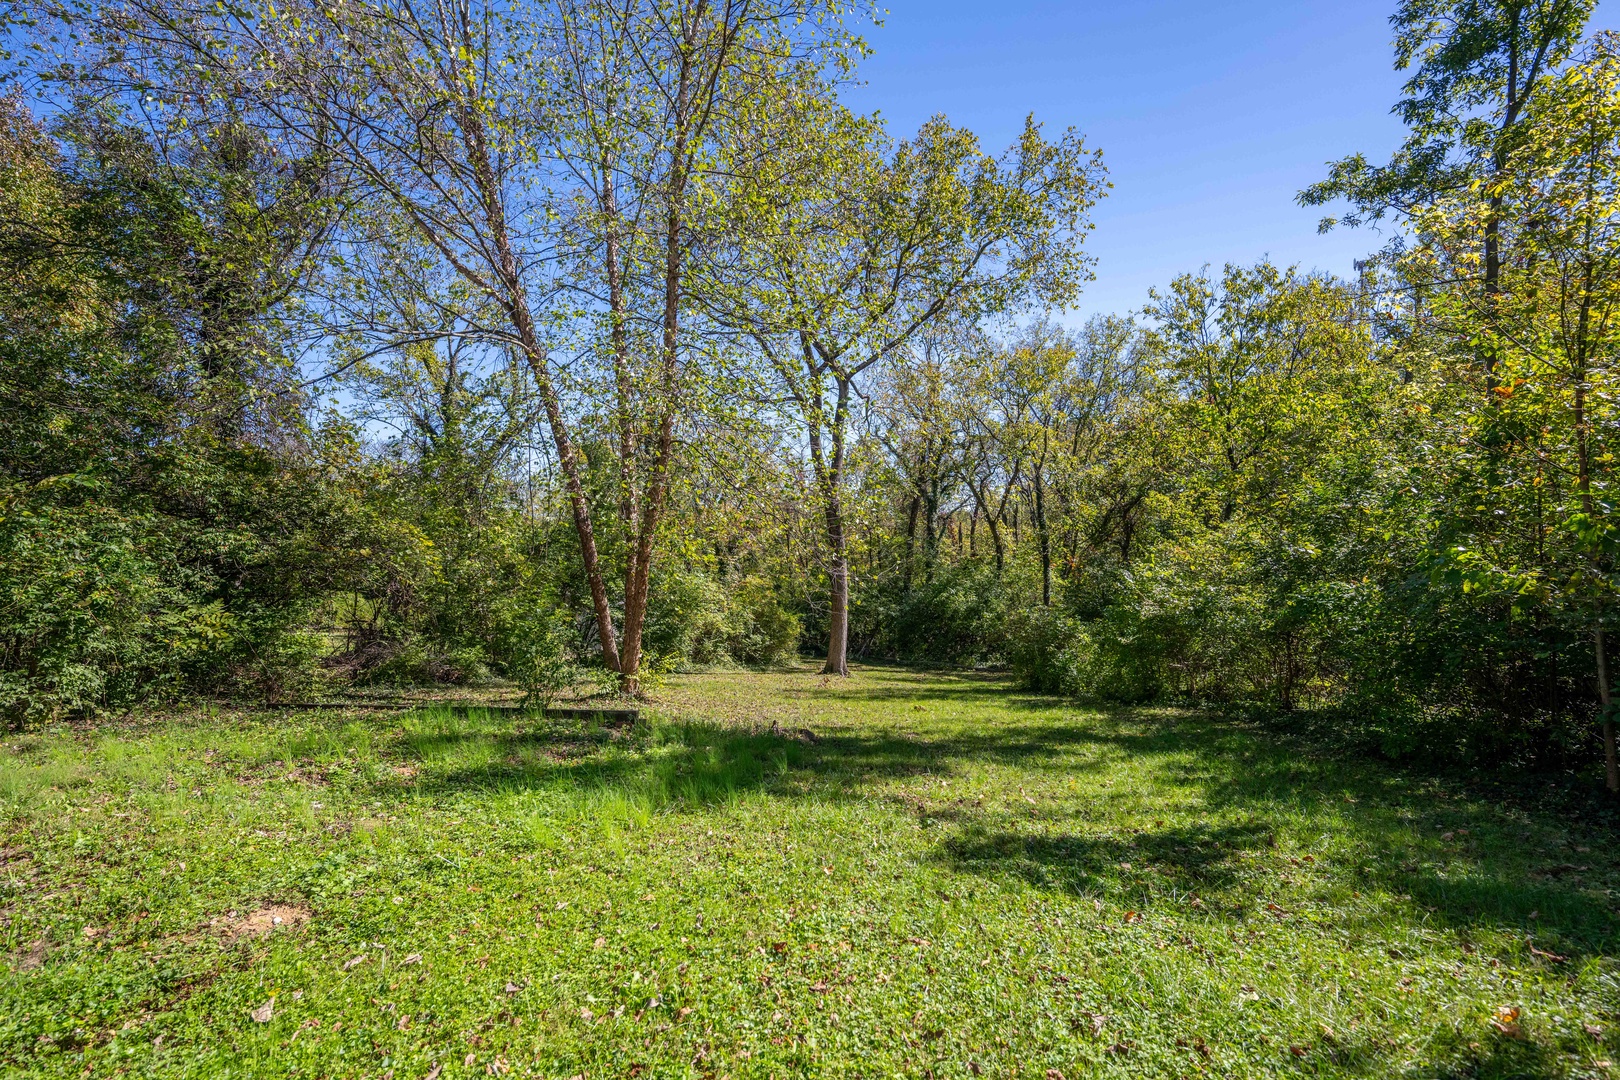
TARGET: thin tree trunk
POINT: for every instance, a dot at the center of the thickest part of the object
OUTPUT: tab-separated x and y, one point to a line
837	547
635	598
1042	539
1583	482
1610	761
517	306
618	315
911	541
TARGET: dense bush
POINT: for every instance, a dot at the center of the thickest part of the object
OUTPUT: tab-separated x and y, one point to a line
957	616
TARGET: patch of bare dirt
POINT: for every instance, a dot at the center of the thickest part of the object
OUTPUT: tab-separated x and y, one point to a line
256	924
32	958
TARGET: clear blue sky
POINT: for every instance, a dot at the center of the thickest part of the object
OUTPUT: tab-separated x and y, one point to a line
1211	114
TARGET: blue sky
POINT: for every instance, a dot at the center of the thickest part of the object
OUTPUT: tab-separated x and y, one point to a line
1211	115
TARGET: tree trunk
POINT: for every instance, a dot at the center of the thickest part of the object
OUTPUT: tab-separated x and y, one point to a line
618	314
1583	483
830	475
640	575
516	303
838	614
1610	761
1042	539
911	542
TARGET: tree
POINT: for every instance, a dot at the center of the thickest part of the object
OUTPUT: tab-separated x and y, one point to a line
481	127
1555	325
859	248
642	94
1480	66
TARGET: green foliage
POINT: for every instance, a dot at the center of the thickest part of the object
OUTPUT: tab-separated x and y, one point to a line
700	619
955	617
541	660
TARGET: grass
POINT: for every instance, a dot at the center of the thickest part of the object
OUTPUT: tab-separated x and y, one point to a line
939	876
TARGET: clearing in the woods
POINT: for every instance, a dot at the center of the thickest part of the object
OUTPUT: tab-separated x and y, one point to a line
779	874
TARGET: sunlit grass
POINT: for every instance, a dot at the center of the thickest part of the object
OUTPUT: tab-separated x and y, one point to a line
904	874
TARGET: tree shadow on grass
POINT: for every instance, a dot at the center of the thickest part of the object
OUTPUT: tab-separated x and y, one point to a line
1187	859
1252	785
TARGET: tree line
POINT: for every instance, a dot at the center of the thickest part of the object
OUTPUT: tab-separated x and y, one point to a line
584	339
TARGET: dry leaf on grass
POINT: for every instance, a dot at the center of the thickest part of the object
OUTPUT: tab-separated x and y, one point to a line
1544	954
264	1012
1506	1021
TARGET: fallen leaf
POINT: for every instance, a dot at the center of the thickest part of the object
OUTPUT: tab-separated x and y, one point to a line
1132	917
512	988
264	1012
354	962
433	1074
921	943
600	942
1593	1030
1053	1074
1506	1021
1544	954
414	958
683	1013
1298	1051
404	1023
469	1059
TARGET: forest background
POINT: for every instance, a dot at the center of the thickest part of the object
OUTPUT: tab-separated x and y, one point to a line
649	353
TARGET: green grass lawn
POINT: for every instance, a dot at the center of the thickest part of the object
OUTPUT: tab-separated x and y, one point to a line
901	874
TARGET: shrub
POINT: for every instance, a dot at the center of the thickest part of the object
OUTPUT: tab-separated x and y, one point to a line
956	617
